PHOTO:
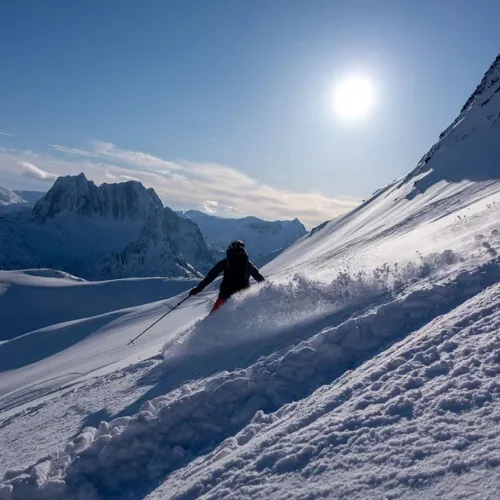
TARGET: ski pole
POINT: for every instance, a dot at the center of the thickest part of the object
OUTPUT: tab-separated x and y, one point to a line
158	320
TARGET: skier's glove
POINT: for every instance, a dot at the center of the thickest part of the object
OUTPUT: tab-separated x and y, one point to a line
193	291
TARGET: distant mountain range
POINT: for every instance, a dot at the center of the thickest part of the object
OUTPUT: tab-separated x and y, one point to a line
122	230
261	237
30	196
8	197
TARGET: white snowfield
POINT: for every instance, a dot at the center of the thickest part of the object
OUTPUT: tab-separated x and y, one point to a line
366	367
74	327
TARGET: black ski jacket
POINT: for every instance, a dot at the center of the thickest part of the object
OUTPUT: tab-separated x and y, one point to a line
236	277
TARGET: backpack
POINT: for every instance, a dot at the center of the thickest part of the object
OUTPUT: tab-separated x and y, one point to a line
237	269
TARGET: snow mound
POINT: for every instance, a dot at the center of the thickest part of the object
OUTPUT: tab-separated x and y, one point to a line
53	297
419	421
173	429
51	273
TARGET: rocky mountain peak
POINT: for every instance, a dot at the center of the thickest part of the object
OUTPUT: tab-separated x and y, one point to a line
76	194
490	79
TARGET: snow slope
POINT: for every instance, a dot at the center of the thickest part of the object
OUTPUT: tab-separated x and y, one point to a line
8	197
54	297
366	367
193	409
419	421
261	237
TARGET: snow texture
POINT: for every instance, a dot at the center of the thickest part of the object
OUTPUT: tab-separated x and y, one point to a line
366	367
172	429
8	197
55	297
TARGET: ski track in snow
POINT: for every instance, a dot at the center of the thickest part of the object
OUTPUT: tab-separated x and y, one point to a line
423	411
171	430
244	330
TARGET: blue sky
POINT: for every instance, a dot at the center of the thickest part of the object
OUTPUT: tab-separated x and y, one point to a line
226	104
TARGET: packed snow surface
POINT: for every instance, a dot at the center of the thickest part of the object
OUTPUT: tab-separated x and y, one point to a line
55	297
366	367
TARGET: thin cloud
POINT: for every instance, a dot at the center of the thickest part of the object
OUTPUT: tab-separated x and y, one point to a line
7	134
129	178
110	176
209	206
71	151
33	172
217	189
111	152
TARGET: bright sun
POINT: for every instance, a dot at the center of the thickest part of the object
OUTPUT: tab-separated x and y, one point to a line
353	98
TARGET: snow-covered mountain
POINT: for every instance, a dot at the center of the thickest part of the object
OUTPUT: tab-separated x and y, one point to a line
261	237
128	201
169	245
14	197
366	367
102	232
8	197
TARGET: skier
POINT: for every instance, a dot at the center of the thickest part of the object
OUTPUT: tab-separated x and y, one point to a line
237	270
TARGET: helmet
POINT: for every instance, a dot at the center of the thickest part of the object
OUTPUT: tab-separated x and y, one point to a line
236	248
236	244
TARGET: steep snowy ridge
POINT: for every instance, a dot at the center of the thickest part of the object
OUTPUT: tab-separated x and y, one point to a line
472	137
458	171
103	232
8	197
261	237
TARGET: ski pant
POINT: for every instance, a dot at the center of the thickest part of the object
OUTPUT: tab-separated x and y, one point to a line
224	296
218	303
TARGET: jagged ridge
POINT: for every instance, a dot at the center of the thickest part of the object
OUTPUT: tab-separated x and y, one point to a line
129	201
102	232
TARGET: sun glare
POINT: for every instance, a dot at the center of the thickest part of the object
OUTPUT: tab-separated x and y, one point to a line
353	98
